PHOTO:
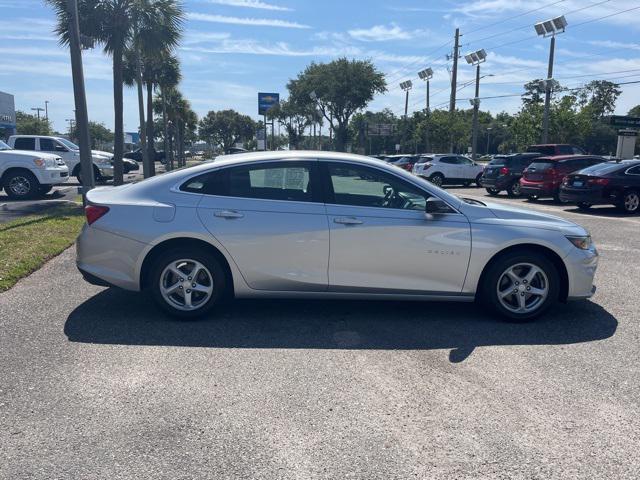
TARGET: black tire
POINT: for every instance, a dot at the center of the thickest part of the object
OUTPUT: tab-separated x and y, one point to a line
21	185
478	180
97	177
488	290
44	189
212	264
532	198
630	202
513	190
584	206
492	191
557	199
466	184
437	179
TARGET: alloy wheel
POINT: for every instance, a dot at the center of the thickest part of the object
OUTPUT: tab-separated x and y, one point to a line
20	186
515	189
522	288
436	180
186	284
631	202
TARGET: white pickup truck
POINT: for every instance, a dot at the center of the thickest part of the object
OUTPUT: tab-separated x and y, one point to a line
25	175
69	151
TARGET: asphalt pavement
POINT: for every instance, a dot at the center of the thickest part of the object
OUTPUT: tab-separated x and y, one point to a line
97	383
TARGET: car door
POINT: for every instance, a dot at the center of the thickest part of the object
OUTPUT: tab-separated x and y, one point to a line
381	240
271	219
468	169
450	168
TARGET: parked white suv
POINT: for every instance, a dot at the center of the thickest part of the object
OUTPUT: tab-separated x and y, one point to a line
448	169
24	174
69	151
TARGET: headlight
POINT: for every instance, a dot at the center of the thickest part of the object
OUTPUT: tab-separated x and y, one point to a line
583	243
44	162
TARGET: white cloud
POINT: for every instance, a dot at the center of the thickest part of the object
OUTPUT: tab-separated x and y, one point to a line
32	52
258	22
195	37
616	45
257	4
384	33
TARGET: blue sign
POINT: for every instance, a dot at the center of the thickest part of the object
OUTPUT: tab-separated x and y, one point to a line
266	101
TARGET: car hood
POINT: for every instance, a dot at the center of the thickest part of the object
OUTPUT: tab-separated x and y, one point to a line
524	217
101	153
30	154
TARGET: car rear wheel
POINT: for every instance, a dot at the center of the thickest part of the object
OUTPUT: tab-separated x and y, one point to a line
514	190
584	205
21	185
630	202
478	180
437	179
521	286
492	191
187	283
532	198
557	199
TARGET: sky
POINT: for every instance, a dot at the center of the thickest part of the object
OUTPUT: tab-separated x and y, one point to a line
232	49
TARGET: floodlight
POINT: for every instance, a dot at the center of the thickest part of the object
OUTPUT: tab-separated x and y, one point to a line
475	58
426	74
551	27
406	85
560	23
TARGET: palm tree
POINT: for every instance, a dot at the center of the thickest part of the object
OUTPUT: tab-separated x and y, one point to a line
167	77
157	30
115	25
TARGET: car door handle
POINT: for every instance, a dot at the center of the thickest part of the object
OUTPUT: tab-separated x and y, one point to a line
228	214
348	221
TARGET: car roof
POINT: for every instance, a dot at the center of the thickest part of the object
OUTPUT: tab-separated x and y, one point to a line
293	155
558	158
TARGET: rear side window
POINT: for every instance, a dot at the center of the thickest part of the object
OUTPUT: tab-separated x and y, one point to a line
48	145
499	161
449	160
278	181
634	171
25	144
565	150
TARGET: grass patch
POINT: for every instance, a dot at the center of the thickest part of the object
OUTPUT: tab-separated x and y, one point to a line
28	242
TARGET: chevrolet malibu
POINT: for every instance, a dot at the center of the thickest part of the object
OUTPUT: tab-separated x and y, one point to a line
325	225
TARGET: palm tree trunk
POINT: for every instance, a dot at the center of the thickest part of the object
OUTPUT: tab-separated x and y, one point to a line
118	107
146	169
151	151
165	120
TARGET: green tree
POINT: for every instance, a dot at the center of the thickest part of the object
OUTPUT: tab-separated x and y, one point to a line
295	117
600	97
225	128
99	134
635	111
27	124
341	88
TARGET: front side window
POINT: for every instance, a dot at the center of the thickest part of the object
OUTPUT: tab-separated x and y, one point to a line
361	186
48	145
464	161
25	143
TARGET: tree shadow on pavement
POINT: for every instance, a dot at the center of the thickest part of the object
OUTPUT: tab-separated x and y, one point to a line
124	318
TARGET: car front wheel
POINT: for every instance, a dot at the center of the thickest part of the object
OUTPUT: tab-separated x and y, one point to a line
437	179
21	185
521	286
514	189
492	191
187	283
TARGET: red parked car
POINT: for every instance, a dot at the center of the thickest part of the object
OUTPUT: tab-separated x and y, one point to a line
543	178
553	149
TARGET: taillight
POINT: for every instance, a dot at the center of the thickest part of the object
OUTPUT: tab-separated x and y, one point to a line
426	166
551	172
94	212
565	181
599	181
504	171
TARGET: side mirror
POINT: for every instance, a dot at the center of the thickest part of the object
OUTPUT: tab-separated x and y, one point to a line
60	148
435	206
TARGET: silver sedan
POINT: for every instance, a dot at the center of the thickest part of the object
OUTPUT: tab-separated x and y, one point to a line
325	225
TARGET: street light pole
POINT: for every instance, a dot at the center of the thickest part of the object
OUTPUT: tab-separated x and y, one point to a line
476	58
82	117
427	75
549	28
488	137
547	92
38	110
46	109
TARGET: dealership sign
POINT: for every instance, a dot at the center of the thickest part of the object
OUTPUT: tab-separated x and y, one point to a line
624	121
7	110
266	101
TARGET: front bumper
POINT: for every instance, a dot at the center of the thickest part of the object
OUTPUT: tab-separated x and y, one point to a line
581	268
52	176
106	171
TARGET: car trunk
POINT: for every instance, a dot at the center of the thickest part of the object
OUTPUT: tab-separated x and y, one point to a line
540	171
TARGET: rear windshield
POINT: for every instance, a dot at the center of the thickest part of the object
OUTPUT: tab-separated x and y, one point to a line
603	168
498	161
541	165
424	159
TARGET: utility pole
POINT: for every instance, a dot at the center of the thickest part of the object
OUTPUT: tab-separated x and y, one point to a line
454	83
82	117
46	109
488	138
547	92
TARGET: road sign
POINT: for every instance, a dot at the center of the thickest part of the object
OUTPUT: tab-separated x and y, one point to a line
380	129
266	101
628	133
624	121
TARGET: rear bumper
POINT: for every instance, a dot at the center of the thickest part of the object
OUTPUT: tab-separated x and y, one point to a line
592	197
537	189
104	258
500	183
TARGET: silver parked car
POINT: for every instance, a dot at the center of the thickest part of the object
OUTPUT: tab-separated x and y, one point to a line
325	225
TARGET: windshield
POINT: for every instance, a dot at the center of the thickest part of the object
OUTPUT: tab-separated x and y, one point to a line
603	168
4	146
70	145
498	161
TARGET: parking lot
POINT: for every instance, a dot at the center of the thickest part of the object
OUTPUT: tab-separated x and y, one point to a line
97	383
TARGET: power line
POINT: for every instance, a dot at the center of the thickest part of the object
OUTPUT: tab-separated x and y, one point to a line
515	16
